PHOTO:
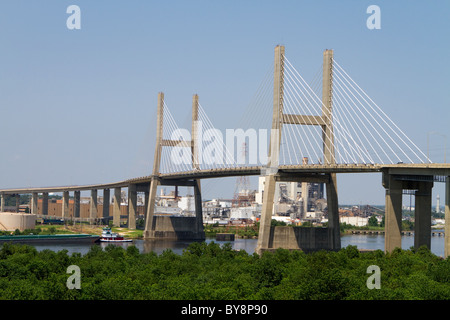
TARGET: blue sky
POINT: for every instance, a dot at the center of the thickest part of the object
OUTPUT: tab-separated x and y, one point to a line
78	106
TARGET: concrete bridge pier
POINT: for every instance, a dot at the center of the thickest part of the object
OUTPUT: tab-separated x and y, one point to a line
45	203
146	200
198	209
76	203
2	202
65	205
132	206
34	203
17	202
106	201
306	239
93	203
394	185
422	215
116	208
265	229
333	213
170	227
149	223
393	213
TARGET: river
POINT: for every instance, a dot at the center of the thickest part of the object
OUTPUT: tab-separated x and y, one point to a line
370	242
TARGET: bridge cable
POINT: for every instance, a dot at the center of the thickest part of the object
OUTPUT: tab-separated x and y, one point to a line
302	113
327	134
383	114
370	122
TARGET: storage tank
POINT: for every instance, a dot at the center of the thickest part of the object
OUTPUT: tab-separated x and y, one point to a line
10	221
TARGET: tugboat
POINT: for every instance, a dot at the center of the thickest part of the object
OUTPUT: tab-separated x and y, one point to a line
108	236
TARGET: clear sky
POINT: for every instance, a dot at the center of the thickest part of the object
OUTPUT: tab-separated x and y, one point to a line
79	106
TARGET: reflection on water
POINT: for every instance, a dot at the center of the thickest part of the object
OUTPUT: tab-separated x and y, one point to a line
374	242
370	242
145	246
158	246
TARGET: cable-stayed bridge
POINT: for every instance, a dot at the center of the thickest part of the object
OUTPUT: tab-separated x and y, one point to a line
296	131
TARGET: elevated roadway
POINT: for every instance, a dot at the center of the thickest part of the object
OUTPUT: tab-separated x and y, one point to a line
431	169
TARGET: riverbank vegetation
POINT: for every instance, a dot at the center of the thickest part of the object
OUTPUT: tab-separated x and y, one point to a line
251	231
211	271
76	229
248	231
43	230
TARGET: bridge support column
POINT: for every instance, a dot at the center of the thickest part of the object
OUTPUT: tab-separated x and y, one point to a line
146	199
106	201
149	227
34	203
17	202
422	215
132	203
447	219
76	204
93	205
333	213
45	203
172	227
198	210
116	208
2	202
65	205
266	214
393	213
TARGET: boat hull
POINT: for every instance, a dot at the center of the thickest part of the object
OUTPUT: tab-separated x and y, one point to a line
115	240
48	239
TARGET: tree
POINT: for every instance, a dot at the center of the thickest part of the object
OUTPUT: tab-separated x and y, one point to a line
407	225
373	222
275	223
383	221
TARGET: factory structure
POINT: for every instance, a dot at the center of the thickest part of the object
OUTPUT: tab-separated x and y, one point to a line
295	203
296	200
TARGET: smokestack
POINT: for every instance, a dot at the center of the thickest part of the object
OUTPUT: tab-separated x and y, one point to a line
438	204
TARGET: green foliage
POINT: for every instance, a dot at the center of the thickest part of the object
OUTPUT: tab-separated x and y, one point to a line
275	223
211	271
407	225
345	226
52	230
373	222
248	231
383	222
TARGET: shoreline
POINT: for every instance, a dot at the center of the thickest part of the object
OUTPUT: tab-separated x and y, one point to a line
138	233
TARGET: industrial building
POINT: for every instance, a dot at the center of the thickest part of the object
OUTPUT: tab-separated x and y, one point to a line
300	200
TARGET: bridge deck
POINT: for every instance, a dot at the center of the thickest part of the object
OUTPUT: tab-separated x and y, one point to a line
404	169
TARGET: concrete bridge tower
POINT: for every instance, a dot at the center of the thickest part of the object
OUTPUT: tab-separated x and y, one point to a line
268	235
173	227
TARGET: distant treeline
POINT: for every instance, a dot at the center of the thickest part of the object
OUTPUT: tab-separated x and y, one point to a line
10	201
211	271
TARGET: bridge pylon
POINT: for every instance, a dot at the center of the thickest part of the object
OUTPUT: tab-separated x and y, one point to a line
158	227
268	235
